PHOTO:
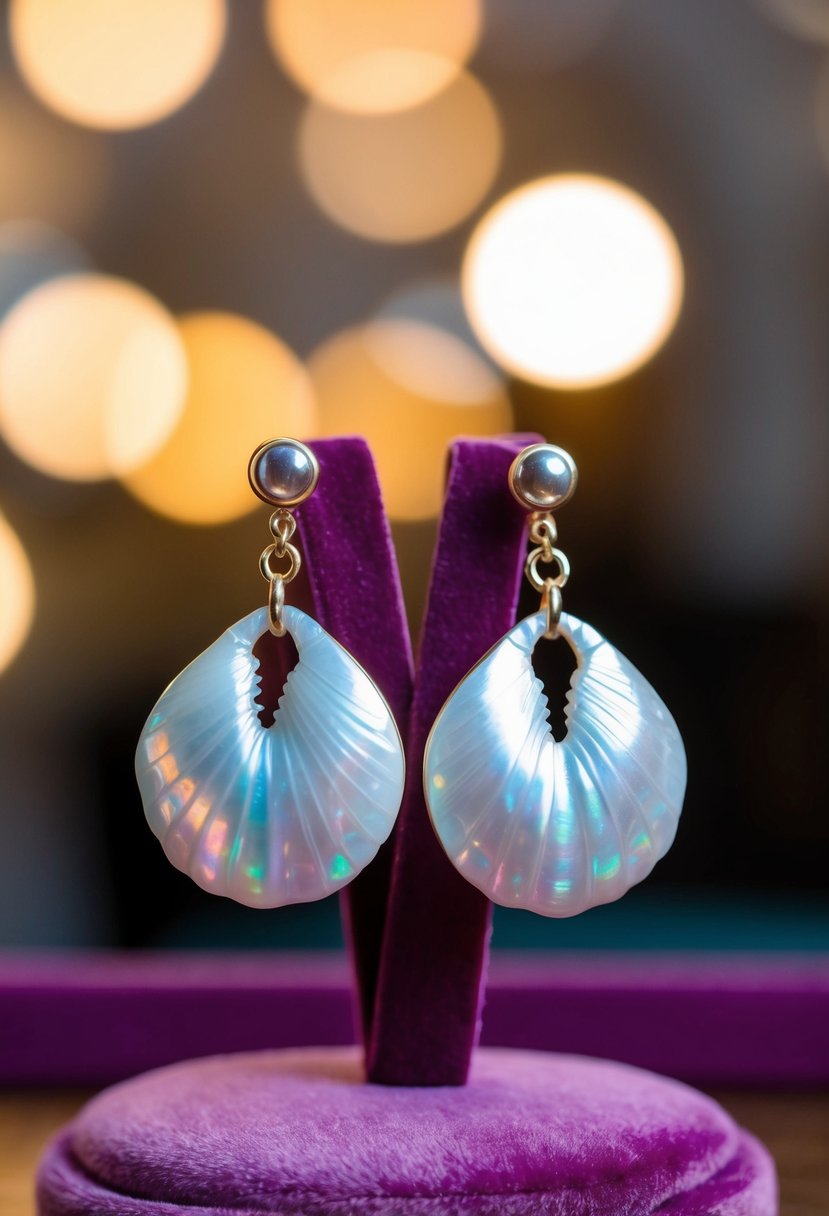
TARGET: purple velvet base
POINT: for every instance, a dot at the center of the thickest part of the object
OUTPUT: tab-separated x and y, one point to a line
724	1019
298	1132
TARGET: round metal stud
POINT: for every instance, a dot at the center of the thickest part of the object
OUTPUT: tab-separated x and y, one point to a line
283	472
543	477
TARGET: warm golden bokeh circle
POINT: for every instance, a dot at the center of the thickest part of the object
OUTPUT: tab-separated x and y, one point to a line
245	386
373	56
572	281
410	389
116	63
92	376
406	176
17	601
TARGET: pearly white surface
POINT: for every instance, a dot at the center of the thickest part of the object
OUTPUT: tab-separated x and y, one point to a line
554	827
279	815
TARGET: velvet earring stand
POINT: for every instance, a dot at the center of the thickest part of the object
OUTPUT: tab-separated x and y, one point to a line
407	1129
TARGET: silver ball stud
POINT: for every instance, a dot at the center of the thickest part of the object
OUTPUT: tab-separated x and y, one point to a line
543	477
283	472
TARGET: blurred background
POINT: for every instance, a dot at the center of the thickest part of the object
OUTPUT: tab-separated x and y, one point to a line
606	220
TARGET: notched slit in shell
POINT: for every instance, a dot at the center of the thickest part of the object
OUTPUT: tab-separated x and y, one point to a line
275	658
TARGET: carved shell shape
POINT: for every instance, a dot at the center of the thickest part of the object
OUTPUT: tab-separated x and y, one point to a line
279	815
555	827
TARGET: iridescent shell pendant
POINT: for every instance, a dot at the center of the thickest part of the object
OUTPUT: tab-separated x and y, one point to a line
553	827
281	814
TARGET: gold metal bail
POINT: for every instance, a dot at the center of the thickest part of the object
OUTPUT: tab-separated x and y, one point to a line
551	605
276	602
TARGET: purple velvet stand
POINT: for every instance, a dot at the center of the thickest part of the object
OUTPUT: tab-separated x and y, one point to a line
406	1127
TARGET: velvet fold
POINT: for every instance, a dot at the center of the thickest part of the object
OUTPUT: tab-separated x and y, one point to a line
432	974
354	581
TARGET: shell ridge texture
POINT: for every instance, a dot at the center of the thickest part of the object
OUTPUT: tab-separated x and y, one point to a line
280	814
555	826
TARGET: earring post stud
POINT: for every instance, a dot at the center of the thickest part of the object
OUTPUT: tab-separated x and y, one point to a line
283	472
543	477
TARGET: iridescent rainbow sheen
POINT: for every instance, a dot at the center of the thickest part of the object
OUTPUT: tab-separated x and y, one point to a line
279	815
554	827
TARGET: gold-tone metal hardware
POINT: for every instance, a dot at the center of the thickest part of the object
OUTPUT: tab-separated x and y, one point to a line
276	602
284	497
539	581
282	472
551	604
543	477
266	559
282	525
543	532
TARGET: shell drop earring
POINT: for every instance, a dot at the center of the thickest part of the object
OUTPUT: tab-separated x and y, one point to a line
553	827
291	812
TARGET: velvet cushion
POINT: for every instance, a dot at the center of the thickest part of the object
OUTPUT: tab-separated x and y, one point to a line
298	1132
432	969
351	568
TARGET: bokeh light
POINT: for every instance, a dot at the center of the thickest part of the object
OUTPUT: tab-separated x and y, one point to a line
410	388
30	253
92	376
245	386
572	281
17	600
116	63
405	176
373	56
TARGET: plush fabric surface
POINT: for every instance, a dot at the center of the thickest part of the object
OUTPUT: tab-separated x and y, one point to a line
724	1020
298	1133
351	568
433	959
420	1012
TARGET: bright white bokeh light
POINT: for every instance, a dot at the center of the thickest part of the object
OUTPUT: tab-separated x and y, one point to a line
93	377
572	281
116	63
17	594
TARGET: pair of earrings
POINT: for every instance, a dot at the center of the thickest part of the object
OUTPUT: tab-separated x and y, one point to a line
290	813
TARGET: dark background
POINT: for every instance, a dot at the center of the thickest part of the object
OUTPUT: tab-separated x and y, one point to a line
698	536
